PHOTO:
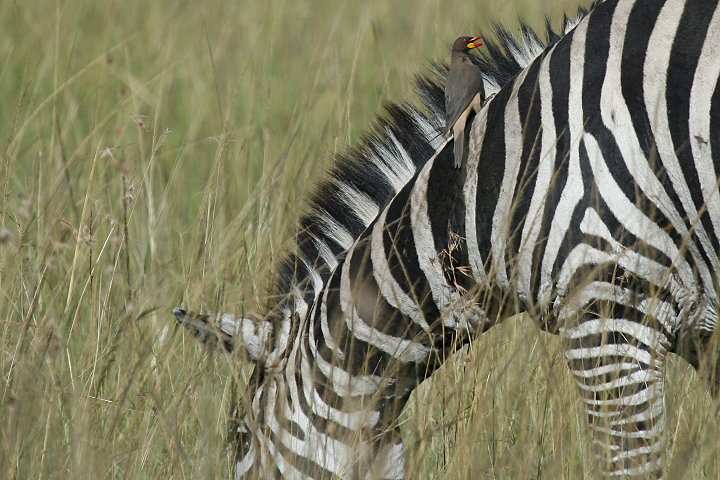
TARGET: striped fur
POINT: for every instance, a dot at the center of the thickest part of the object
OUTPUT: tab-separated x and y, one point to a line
584	201
589	200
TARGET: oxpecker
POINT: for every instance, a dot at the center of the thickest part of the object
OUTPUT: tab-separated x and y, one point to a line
463	91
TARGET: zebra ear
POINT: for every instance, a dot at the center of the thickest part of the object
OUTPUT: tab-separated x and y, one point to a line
251	331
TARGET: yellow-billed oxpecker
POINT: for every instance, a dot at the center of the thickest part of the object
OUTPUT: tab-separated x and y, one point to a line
463	91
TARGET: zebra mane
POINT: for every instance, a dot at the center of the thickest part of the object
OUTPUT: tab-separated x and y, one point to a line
364	178
510	53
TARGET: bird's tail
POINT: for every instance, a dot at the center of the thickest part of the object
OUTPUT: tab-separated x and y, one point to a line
459	148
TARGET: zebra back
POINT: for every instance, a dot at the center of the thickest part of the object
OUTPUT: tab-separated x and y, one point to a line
367	176
358	186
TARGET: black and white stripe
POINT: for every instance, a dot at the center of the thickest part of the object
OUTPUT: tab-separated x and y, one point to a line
589	199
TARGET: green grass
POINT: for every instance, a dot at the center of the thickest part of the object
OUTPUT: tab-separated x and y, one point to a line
158	154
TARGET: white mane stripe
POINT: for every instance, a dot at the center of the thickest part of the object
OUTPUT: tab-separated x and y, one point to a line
324	251
431	134
359	202
334	229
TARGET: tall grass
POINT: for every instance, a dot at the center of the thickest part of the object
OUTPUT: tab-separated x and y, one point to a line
158	153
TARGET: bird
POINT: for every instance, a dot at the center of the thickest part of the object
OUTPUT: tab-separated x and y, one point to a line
464	91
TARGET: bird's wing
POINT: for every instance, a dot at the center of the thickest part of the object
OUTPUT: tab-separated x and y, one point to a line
463	82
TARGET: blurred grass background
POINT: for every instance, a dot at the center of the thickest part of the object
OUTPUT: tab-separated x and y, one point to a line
158	153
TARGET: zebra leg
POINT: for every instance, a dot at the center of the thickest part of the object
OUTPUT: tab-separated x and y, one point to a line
388	461
618	363
701	349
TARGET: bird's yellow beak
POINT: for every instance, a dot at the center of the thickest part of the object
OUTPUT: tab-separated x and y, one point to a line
474	42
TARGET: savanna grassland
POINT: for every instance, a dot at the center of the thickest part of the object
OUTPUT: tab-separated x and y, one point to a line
156	154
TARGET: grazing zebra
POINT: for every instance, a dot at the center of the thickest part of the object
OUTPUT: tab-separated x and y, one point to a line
588	199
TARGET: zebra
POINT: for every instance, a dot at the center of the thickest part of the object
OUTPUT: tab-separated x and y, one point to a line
588	199
359	186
